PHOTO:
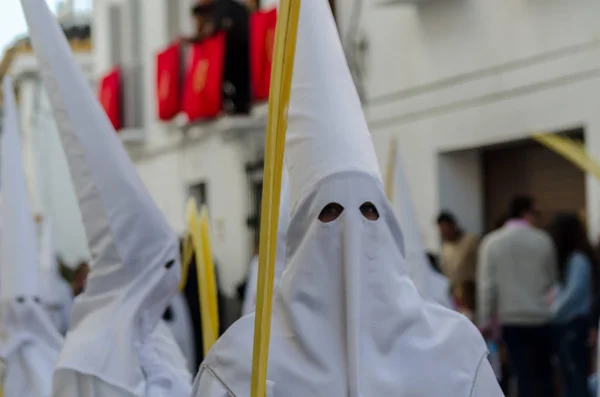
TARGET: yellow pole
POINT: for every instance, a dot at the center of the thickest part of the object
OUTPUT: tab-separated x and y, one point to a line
206	288
186	259
279	97
391	168
572	151
209	275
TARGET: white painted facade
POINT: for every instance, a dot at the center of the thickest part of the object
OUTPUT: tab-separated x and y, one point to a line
444	76
450	76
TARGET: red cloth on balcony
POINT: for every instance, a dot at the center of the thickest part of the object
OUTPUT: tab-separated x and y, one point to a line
168	78
202	92
262	40
110	97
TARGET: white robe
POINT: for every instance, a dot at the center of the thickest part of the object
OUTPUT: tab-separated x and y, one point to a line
59	309
181	327
29	347
161	361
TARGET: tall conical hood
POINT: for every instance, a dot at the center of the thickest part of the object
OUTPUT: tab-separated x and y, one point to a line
431	285
324	106
126	231
135	255
19	266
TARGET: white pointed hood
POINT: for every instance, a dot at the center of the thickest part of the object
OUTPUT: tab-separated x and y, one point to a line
135	255
327	131
430	284
29	343
19	266
347	319
284	220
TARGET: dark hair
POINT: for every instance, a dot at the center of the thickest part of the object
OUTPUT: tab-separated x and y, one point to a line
520	205
203	9
569	236
446	217
500	221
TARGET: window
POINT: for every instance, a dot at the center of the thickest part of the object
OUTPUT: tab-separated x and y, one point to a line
254	173
199	192
125	32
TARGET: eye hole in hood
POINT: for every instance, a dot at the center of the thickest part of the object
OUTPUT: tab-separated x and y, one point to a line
331	212
369	211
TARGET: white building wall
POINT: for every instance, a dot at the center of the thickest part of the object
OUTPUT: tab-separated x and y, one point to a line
454	75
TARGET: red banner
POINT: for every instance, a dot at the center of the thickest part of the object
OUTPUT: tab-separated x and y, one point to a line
168	92
202	92
262	40
110	96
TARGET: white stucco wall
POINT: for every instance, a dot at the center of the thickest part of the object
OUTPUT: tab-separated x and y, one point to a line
452	75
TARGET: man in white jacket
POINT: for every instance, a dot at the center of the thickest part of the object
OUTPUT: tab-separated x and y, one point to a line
29	342
347	319
117	344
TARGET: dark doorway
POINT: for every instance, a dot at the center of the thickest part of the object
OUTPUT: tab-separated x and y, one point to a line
527	167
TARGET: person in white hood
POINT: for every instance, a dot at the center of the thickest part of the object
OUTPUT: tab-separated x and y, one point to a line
347	319
284	219
117	343
431	285
29	342
57	294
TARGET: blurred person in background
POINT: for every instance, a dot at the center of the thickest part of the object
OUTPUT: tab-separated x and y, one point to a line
233	18
572	303
458	262
517	270
80	278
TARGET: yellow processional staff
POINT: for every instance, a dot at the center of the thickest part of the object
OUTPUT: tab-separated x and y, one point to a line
197	241
571	150
279	97
390	170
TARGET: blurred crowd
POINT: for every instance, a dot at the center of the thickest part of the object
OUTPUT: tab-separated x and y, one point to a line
533	292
